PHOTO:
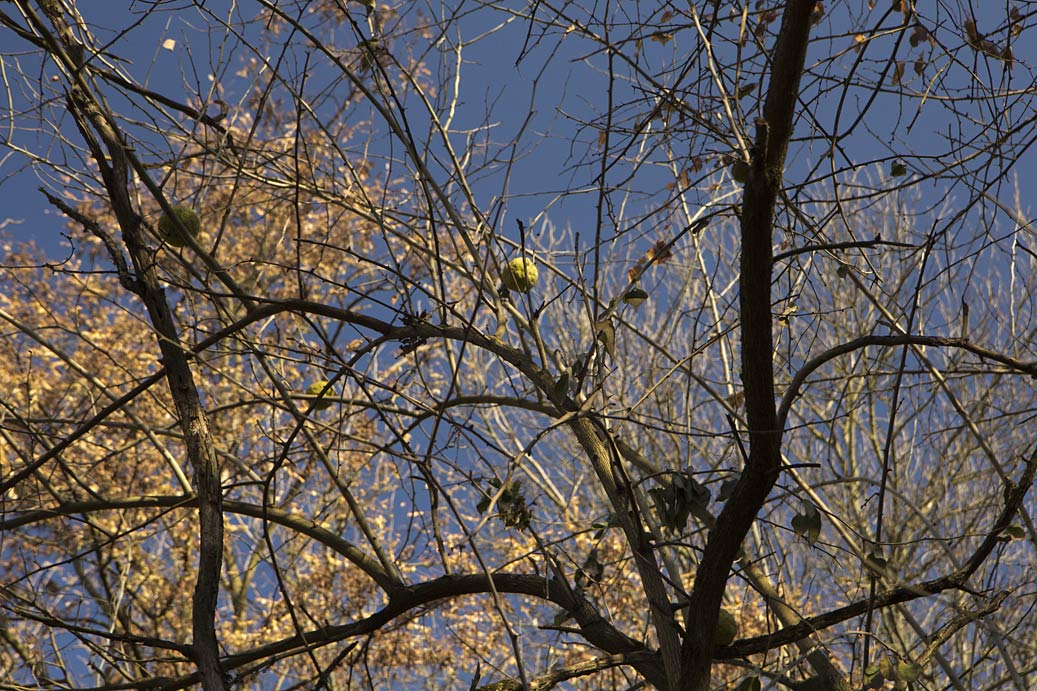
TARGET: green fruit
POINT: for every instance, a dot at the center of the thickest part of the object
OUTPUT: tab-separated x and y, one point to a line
320	388
520	274
740	171
170	232
727	628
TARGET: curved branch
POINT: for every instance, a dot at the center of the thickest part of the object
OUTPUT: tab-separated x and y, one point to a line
1014	495
595	630
348	550
832	246
580	669
64	625
904	339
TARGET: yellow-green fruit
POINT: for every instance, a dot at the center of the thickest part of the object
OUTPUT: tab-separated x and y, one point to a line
316	389
520	274
727	628
170	232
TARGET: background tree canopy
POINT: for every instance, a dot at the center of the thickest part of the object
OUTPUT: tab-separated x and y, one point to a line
752	413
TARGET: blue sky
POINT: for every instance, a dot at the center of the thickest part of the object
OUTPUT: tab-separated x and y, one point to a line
542	105
537	123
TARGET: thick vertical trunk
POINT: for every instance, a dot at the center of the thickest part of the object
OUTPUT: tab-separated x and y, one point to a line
763	466
114	162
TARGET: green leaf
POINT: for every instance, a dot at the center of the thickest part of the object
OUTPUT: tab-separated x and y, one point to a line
746	89
727	487
483	504
512	509
675	501
601	528
697	494
561	387
635	296
873	677
1012	532
908	671
808	524
606	331
592	570
888	669
876	563
727	628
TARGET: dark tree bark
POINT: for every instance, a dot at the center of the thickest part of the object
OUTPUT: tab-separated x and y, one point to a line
763	465
115	161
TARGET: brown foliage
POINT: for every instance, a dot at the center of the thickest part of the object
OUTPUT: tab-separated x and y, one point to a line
502	489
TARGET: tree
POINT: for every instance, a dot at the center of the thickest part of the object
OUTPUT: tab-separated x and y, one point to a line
324	442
